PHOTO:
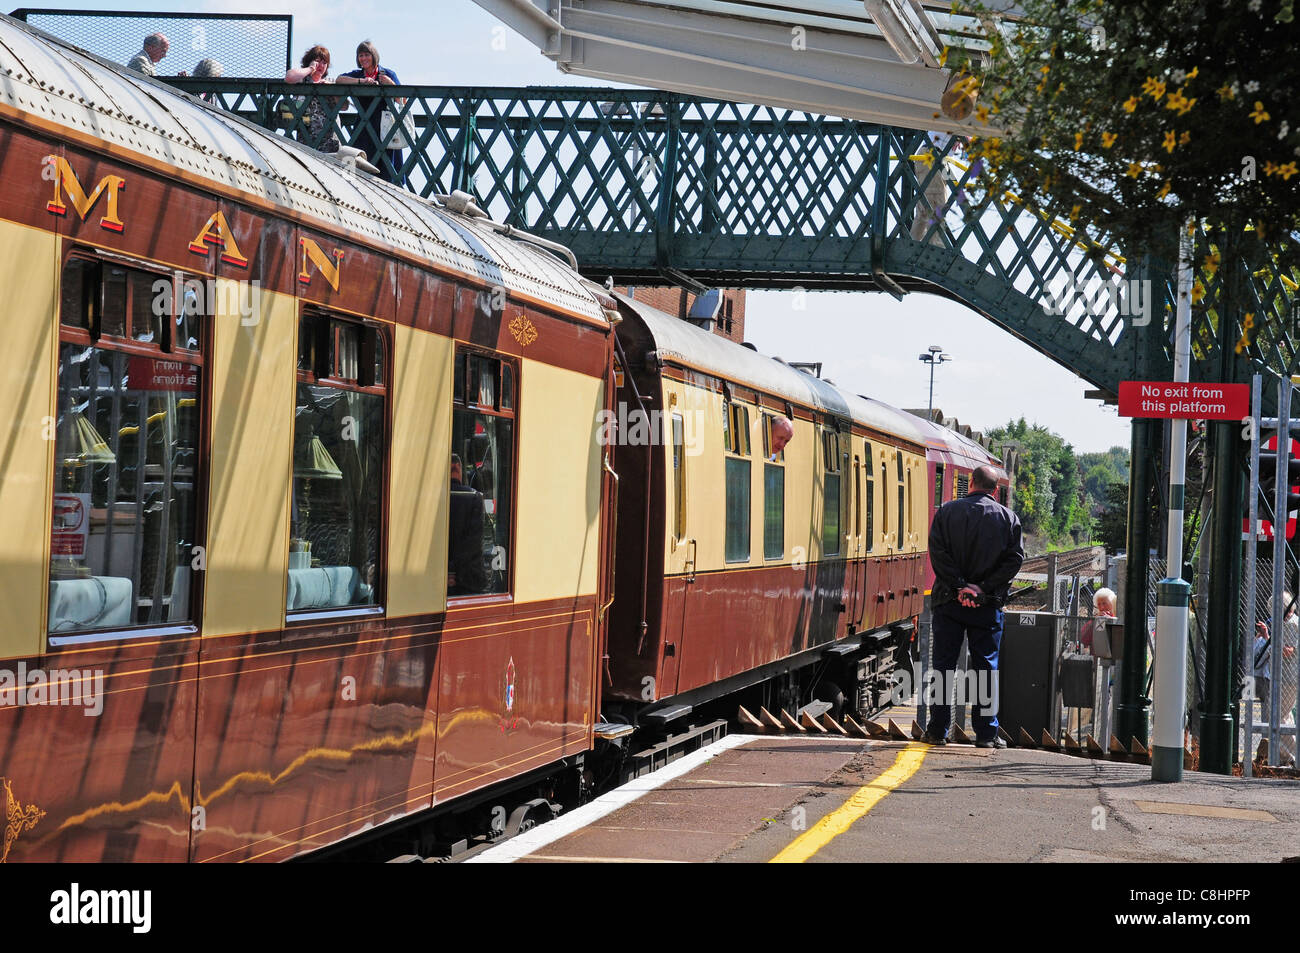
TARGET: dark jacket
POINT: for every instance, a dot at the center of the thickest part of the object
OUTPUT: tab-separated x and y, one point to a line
974	540
465	540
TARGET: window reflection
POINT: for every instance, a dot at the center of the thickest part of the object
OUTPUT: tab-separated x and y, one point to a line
123	542
482	478
338	459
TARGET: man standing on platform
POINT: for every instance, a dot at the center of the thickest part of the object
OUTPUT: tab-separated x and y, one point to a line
975	550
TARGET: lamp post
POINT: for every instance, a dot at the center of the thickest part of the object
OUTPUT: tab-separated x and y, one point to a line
934	355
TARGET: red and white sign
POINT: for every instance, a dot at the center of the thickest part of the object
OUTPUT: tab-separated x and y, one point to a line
71	524
145	373
1184	401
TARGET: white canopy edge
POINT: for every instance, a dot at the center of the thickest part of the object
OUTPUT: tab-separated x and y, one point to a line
820	56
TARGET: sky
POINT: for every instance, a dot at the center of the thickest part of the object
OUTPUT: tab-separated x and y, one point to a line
868	343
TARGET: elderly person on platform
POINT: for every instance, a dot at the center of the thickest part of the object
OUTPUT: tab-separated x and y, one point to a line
1103	606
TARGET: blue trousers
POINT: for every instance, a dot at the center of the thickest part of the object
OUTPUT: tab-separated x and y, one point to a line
981	627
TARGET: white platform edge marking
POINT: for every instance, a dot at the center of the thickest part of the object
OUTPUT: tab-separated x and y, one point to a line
564	825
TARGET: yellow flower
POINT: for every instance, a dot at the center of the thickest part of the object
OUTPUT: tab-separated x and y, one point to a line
1247	323
1164	190
1259	115
1078	141
982	113
1045	69
1134	169
1130	104
1170	141
1288	170
1185	138
1108	139
1176	99
1225	92
1155	88
1198	292
1269	167
1193	74
1211	264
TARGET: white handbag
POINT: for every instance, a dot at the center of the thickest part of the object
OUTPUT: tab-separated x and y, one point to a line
405	134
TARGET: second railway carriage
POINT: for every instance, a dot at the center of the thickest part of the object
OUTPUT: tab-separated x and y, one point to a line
736	564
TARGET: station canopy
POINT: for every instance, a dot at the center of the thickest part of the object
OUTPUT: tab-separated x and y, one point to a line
870	60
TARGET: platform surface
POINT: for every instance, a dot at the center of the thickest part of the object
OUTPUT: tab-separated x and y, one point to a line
749	799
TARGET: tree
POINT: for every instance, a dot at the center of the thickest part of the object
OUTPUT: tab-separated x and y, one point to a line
1129	119
1112	521
1049	495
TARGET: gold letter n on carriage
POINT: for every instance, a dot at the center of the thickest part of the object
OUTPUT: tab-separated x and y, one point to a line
312	253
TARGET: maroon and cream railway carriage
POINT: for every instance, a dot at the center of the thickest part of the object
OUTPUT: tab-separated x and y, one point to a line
737	565
235	372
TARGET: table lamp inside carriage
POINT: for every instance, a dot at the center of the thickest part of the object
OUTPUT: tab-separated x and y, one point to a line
84	447
311	461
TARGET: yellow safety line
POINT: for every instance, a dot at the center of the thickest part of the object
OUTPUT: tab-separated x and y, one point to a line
863	800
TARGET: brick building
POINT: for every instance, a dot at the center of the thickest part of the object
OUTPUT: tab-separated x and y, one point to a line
728	314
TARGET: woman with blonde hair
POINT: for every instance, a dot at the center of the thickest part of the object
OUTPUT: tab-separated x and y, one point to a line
370	130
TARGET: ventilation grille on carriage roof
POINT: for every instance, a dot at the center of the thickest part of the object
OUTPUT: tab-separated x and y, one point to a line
811	368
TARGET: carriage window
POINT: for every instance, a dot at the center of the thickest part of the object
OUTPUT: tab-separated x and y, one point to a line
902	502
126	452
884	499
737	515
909	493
679	476
767	440
962	487
938	485
773	511
1002	495
735	428
737	507
338	467
831	497
483	435
857	496
871	501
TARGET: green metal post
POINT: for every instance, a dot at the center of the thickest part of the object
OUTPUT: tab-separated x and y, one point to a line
1132	709
1217	725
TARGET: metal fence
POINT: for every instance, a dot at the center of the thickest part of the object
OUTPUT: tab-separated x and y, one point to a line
1257	722
246	45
